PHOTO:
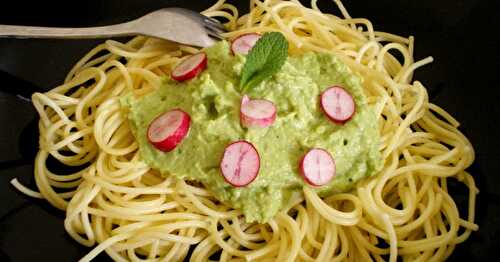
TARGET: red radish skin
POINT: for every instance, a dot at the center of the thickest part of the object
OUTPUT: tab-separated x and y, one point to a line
317	167
244	43
190	67
257	112
240	163
168	129
338	104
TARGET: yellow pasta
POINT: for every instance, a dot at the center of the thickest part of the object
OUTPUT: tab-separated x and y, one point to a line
122	207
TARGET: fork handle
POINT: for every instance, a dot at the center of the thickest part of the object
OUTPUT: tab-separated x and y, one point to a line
15	31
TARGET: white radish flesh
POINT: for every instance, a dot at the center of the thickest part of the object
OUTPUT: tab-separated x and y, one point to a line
240	163
190	67
257	112
338	104
317	167
168	129
244	43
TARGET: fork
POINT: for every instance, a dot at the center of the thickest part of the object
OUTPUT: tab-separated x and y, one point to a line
175	24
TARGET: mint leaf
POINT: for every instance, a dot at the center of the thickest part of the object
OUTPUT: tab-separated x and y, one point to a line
265	59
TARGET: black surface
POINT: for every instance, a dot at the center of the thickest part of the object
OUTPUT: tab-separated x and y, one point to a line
460	35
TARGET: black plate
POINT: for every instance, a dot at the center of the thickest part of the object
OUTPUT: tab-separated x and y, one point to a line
463	80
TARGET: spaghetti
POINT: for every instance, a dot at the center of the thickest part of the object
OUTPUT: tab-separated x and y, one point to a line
133	213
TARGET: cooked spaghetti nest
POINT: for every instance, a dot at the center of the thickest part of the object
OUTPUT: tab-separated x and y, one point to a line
116	203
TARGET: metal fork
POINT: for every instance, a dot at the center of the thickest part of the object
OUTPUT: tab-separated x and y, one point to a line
175	24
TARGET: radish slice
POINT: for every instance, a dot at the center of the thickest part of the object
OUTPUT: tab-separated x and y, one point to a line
317	167
243	43
244	99
257	112
240	163
168	129
338	104
190	67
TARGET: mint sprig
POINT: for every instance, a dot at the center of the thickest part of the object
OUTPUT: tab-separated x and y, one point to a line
264	60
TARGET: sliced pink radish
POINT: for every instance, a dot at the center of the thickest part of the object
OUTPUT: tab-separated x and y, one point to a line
257	112
190	67
243	43
338	104
168	129
240	163
317	167
244	99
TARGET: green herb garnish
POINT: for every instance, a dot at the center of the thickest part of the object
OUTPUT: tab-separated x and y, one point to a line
265	59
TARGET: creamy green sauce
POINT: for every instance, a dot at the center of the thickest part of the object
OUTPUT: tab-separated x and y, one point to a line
213	101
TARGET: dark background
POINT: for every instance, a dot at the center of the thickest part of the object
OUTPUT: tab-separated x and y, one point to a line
460	35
